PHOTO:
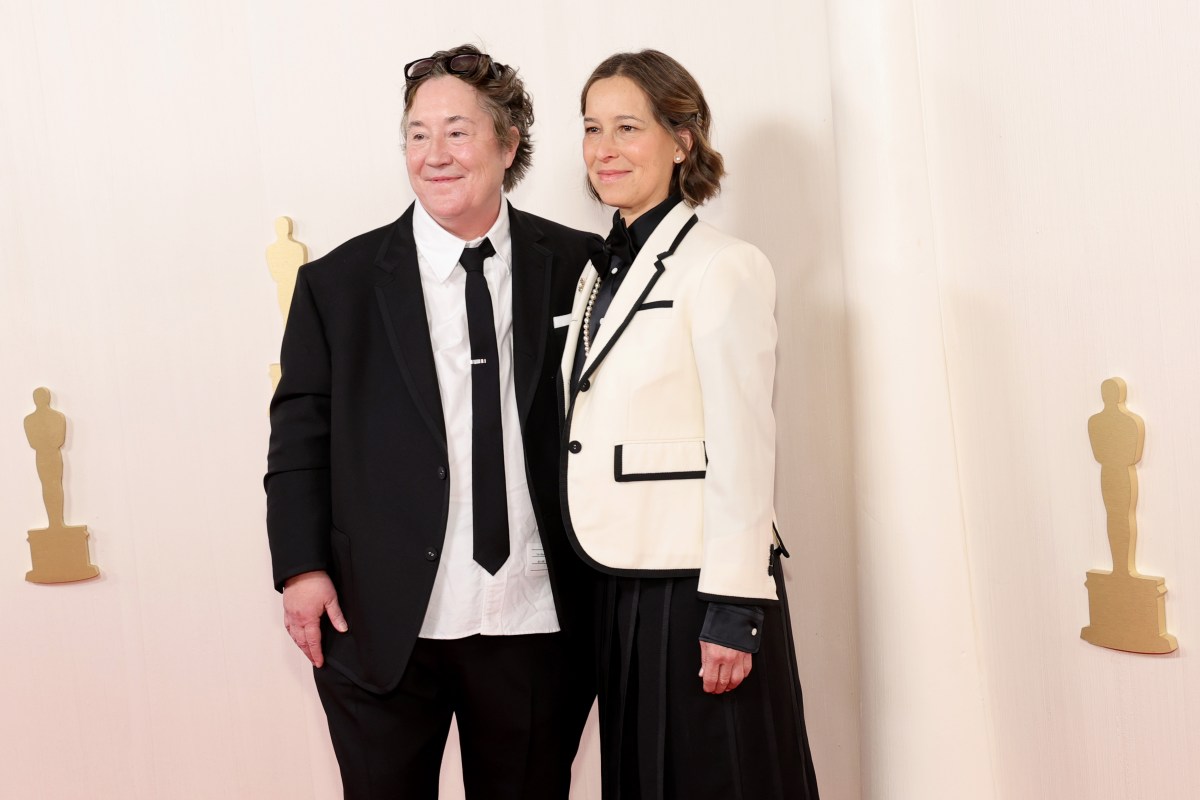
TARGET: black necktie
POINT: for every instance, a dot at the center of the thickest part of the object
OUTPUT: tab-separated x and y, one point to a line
489	500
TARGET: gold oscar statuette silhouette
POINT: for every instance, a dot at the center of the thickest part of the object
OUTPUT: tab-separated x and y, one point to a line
59	551
285	256
1128	610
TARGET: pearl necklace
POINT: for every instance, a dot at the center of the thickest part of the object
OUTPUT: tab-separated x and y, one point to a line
587	318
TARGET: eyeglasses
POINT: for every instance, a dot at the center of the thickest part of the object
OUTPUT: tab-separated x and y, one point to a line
462	64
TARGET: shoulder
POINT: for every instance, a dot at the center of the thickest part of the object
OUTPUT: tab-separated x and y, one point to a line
556	233
721	256
354	254
706	239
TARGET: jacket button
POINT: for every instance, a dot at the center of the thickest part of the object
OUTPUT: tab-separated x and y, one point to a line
574	447
441	473
430	554
584	385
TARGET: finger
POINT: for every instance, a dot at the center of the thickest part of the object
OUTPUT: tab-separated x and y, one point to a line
296	632
723	679
709	672
335	615
737	674
312	637
748	664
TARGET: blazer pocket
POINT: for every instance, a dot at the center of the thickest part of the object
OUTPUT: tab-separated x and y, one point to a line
656	304
673	460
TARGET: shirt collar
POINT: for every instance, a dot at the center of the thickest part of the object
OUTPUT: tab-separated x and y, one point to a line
639	232
440	249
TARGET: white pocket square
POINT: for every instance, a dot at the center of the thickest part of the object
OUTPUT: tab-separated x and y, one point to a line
562	321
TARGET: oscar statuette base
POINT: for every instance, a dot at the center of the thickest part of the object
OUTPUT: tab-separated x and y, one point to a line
1128	612
60	555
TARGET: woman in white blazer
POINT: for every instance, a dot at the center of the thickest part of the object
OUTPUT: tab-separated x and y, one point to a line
669	458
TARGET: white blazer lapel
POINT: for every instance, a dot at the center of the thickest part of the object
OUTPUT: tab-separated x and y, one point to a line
642	273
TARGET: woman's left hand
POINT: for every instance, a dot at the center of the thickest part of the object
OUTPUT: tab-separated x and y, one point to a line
722	668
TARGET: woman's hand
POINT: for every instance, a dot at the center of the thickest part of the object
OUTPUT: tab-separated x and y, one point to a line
722	668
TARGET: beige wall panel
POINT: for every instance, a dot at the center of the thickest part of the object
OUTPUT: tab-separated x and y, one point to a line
1064	179
924	719
145	150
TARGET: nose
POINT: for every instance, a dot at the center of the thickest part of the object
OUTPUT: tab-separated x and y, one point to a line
437	154
605	147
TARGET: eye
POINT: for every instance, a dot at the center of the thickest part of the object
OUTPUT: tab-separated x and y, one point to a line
457	134
627	129
416	137
591	128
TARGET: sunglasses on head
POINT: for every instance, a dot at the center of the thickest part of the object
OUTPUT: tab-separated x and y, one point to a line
463	64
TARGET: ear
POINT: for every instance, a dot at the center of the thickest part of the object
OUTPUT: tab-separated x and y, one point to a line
510	152
686	136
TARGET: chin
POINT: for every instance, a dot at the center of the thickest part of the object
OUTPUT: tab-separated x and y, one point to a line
445	207
611	198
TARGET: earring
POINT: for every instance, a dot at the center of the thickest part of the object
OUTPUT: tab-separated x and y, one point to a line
678	159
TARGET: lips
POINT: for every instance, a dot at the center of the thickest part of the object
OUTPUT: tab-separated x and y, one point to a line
610	175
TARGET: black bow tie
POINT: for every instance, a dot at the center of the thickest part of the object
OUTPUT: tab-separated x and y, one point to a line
619	244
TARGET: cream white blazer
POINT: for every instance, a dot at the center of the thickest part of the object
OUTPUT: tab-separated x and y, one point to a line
669	446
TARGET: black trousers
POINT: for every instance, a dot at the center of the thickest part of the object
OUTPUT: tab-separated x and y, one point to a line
520	702
661	736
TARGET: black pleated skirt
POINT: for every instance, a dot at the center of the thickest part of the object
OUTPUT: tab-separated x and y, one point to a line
662	736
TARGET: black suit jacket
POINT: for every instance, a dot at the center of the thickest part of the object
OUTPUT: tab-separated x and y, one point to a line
357	481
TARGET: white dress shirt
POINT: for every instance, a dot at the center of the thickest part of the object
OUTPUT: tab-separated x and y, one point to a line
466	600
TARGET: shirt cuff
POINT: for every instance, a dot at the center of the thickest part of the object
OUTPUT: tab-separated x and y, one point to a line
739	627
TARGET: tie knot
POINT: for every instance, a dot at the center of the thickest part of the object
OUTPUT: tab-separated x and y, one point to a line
472	258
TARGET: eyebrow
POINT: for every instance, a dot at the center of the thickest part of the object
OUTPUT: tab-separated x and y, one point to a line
451	120
618	118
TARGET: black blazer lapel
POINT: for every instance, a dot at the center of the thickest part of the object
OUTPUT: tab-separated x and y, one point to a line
402	305
531	273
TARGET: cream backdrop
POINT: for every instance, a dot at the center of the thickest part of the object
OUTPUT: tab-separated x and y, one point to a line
145	149
1019	187
976	211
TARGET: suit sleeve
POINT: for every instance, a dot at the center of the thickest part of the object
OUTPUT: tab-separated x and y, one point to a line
297	480
733	336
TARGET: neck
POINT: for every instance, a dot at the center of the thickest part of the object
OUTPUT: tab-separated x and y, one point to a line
631	215
473	223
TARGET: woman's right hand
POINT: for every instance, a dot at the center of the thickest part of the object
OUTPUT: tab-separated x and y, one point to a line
723	668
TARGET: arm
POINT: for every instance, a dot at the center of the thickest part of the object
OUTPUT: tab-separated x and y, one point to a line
297	481
734	334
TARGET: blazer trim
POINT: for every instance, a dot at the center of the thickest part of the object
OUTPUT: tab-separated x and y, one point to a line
656	304
620	476
733	600
779	545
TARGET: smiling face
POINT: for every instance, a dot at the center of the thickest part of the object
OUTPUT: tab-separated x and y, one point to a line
630	157
455	162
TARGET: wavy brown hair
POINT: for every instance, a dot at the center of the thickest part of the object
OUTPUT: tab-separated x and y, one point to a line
678	105
501	93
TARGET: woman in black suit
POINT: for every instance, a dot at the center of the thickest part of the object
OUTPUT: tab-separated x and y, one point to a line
669	459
